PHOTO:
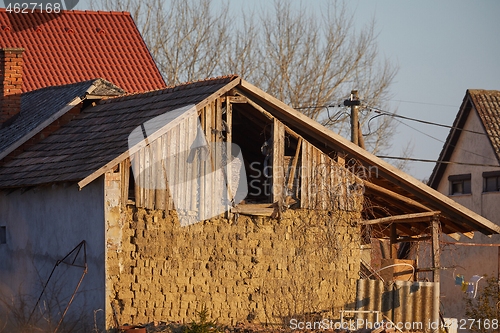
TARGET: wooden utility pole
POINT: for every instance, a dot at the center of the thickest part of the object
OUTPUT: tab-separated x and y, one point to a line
436	264
354	102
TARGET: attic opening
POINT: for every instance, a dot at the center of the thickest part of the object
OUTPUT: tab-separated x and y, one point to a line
253	133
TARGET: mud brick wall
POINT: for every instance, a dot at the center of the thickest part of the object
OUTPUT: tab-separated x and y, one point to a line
254	269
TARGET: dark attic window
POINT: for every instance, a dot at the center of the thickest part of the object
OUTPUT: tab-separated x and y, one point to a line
460	184
3	235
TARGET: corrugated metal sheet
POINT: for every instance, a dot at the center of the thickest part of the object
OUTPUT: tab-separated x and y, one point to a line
405	302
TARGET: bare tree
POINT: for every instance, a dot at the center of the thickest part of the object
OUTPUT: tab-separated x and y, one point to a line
307	61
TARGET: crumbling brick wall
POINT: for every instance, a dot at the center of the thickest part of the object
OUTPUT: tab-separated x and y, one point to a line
250	269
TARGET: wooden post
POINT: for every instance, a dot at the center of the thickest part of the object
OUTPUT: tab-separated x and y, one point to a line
354	118
361	140
394	242
231	188
436	263
278	179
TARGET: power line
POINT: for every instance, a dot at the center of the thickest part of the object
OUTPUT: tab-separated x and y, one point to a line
382	112
453	146
392	114
436	161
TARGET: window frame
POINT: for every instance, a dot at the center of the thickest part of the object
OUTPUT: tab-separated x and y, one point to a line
488	175
462	179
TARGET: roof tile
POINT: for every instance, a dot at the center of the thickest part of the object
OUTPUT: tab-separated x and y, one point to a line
80	45
487	105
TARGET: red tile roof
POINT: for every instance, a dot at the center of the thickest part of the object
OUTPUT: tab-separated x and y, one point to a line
487	104
80	45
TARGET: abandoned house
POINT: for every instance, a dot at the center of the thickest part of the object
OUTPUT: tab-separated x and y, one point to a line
130	208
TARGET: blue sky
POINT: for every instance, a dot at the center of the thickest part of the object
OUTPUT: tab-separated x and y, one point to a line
442	49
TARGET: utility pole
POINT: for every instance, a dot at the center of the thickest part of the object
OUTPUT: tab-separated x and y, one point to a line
354	102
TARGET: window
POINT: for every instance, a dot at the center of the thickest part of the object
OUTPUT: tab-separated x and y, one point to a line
491	181
3	235
460	184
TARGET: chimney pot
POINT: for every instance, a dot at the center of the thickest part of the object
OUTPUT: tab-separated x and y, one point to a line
11	84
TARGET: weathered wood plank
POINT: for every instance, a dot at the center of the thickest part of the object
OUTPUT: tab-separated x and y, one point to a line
124	180
208	163
291	174
148	181
220	174
166	151
237	99
405	218
231	188
134	159
173	147
381	191
278	161
161	189
304	175
142	175
182	167
192	166
201	171
255	209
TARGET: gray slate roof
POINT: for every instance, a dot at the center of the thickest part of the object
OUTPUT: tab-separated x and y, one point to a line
41	104
98	134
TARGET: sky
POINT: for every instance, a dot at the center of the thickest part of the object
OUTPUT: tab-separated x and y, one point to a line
442	48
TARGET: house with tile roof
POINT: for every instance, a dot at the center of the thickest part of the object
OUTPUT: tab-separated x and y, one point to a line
77	46
468	171
149	206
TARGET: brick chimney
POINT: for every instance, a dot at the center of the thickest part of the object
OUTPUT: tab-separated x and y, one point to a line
11	82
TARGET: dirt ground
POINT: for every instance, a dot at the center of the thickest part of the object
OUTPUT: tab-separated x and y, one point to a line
161	327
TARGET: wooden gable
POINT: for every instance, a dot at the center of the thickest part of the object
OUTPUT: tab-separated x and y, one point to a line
194	166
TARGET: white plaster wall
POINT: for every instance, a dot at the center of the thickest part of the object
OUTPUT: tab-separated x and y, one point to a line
476	149
43	225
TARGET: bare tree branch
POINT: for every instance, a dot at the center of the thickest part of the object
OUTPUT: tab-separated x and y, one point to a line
303	59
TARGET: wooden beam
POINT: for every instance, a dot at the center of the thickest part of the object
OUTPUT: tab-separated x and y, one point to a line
271	117
254	209
278	156
237	99
229	175
413	239
382	191
291	175
406	218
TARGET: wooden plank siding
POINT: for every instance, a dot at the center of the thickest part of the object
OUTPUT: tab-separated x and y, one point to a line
325	184
192	160
278	162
